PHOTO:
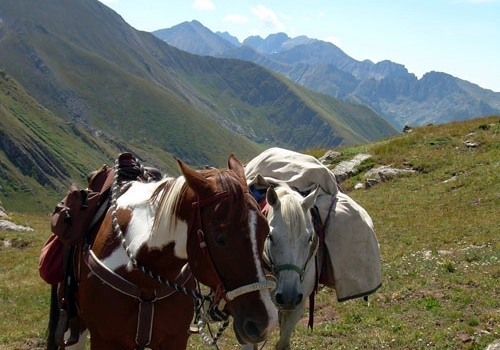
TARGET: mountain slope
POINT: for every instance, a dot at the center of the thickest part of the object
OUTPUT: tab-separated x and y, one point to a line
386	87
84	78
105	77
105	88
39	156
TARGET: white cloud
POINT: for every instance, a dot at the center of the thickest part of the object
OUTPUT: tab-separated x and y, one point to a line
203	5
268	18
236	18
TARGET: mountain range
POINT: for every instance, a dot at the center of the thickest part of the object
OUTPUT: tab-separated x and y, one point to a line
386	87
79	85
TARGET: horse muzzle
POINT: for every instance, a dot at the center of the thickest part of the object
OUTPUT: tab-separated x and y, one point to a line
288	294
254	316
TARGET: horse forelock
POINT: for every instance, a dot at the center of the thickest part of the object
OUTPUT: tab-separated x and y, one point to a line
228	181
292	213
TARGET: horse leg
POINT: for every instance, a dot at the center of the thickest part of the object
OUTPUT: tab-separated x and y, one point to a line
287	322
53	319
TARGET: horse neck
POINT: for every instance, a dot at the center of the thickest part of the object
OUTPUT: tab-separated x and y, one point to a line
169	226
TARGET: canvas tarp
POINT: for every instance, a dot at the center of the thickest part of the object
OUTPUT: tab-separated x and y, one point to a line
350	239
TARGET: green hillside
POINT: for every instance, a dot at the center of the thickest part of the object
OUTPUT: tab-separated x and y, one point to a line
41	154
438	231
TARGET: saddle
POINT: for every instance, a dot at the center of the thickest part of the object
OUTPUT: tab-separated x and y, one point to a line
72	221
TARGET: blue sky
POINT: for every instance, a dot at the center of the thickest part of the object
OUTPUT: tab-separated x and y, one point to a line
458	37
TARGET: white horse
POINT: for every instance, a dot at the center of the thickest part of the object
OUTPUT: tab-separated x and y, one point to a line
289	252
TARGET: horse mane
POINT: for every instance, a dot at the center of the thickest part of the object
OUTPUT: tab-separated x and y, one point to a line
169	194
167	197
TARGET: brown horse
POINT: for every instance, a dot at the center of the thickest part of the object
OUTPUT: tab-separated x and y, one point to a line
203	226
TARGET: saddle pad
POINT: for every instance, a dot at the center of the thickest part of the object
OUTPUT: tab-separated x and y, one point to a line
352	247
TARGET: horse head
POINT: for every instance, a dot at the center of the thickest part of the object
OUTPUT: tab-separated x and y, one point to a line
291	245
226	234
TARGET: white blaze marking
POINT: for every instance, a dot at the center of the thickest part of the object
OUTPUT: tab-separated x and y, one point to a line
265	294
252	223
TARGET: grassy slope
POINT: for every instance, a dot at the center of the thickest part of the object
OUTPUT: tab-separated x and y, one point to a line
439	243
62	148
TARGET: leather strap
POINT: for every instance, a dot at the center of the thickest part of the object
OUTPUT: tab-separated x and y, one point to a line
145	314
145	322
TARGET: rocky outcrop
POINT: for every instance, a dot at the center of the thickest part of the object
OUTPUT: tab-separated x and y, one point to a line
10	226
3	214
346	169
494	346
329	156
7	225
384	173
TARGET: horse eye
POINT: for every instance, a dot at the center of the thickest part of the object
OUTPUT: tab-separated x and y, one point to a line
310	239
221	240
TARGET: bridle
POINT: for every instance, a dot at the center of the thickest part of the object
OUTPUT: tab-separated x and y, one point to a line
276	269
216	299
221	294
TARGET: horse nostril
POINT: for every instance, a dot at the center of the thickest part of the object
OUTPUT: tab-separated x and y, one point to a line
299	299
279	299
252	329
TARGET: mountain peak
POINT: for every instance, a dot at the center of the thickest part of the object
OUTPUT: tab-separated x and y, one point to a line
232	39
195	38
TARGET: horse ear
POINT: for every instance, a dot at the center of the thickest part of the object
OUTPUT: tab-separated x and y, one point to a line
271	197
310	199
235	165
195	180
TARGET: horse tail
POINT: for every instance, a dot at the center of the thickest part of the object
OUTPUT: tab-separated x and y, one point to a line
53	319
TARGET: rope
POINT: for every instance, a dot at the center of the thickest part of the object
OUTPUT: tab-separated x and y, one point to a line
209	337
116	227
